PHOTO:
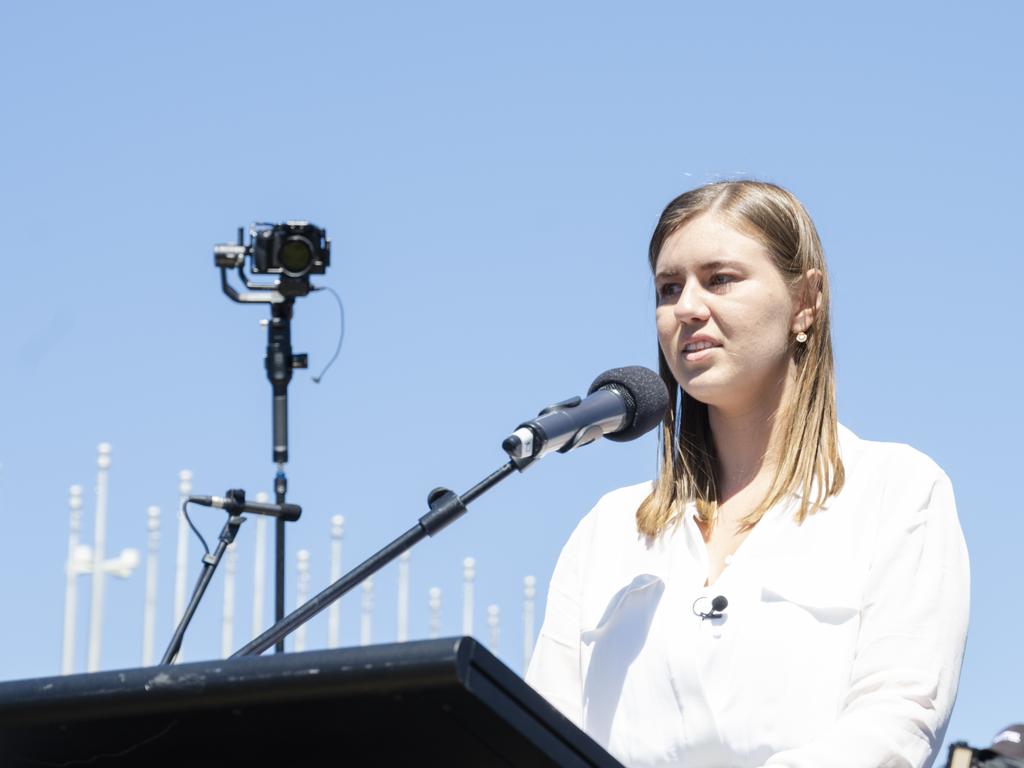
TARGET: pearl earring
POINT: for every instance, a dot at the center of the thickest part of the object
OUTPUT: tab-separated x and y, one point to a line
801	337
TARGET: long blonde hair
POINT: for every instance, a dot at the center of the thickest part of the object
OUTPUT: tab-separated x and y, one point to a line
807	442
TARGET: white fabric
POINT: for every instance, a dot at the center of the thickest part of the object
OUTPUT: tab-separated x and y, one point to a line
841	644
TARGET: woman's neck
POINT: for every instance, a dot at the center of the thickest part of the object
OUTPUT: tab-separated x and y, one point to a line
745	439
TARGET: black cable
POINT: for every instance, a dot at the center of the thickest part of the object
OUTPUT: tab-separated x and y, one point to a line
341	336
195	530
102	756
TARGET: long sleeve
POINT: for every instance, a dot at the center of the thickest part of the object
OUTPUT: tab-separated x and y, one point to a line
554	669
911	637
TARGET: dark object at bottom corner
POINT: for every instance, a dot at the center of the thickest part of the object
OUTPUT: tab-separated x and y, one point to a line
447	702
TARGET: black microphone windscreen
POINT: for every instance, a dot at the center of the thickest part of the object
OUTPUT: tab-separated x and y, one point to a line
719	603
649	394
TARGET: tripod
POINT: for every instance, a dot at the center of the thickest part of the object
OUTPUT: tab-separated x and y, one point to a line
280	361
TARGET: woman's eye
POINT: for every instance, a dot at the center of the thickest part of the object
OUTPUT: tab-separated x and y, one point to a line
668	290
721	279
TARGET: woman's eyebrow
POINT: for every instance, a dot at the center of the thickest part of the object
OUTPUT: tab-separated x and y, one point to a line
707	266
722	263
667	272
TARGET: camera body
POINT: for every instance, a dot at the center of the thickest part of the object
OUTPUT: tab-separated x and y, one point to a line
294	249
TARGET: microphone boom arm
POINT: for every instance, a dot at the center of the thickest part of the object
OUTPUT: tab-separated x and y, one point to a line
445	508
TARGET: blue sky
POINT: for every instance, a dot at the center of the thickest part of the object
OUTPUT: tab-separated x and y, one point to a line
489	176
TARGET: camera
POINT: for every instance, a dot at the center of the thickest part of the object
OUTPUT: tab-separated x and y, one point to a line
294	249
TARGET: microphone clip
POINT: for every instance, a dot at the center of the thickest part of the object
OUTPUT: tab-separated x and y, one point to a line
718	604
234	501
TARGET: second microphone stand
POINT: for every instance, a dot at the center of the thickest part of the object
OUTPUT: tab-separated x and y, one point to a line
210	563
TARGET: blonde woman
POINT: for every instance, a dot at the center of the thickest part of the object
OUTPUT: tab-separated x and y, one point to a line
785	593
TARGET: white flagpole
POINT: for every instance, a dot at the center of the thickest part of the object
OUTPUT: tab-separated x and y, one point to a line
301	596
99	541
149	611
181	562
334	612
259	568
435	612
365	633
227	626
492	623
403	596
468	576
529	593
71	572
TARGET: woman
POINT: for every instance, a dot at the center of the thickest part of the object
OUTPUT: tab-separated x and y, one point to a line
841	561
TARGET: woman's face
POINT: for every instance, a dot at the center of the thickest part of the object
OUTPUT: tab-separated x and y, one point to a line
725	315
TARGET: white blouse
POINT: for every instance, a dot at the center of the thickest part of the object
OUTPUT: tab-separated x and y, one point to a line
840	645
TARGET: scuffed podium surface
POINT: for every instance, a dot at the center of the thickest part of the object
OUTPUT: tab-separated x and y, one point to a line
437	702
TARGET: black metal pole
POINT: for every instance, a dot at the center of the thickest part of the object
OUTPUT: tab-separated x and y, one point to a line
445	508
210	563
279	363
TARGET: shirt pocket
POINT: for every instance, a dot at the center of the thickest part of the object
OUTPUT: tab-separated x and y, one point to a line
825	600
805	635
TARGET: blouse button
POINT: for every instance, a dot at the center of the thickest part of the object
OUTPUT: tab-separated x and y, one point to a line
728	560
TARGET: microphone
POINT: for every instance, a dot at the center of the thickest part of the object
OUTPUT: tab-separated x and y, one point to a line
718	604
621	404
287	512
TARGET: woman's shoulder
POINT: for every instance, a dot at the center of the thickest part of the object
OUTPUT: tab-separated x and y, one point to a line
886	458
628	498
618	508
902	474
613	517
606	543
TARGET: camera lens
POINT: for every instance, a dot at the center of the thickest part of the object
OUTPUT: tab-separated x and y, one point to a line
296	256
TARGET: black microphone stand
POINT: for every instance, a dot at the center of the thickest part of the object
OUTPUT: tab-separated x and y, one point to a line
210	563
445	507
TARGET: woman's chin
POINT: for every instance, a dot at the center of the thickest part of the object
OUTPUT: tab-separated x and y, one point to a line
705	387
702	394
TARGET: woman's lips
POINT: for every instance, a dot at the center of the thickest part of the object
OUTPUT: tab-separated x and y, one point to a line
696	351
700	354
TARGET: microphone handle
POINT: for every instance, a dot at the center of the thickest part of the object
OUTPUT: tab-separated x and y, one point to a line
287	512
604	410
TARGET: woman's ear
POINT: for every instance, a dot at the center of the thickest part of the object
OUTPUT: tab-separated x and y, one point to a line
808	300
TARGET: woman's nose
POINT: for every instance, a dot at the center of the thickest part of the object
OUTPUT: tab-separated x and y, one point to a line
691	307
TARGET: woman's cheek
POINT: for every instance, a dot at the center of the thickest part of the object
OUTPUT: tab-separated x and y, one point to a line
666	333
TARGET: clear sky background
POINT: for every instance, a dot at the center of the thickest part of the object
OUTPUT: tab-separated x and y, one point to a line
489	176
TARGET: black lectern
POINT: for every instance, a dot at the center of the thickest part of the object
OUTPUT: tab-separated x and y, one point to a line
442	702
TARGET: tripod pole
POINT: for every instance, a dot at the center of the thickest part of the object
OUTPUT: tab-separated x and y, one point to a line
279	364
